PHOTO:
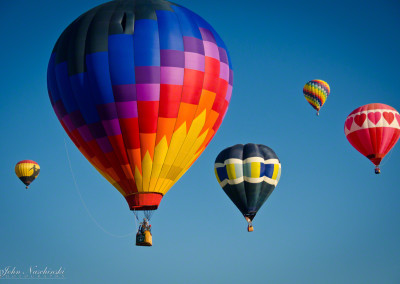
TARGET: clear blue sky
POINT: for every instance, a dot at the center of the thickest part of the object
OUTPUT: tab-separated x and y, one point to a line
330	219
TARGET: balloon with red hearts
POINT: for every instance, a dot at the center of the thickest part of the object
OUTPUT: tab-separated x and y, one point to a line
373	129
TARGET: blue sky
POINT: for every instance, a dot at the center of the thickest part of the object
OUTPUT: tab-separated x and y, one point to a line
330	219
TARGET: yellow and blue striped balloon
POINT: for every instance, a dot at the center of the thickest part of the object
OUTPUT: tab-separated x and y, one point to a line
316	92
248	174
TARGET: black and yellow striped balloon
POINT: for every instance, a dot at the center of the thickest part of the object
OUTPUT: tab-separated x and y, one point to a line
248	174
27	171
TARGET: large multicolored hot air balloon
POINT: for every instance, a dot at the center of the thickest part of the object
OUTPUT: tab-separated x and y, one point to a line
248	174
316	92
140	87
27	171
373	130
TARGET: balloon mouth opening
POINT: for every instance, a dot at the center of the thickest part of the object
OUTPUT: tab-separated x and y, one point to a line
375	159
144	200
249	216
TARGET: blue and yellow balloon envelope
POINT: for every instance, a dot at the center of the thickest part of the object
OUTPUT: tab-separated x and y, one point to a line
248	174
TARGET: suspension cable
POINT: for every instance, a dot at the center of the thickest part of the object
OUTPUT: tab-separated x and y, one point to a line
84	204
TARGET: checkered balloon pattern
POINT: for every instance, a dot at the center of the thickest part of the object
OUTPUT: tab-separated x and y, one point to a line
141	87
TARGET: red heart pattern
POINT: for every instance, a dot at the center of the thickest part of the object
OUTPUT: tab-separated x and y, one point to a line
389	117
377	130
374	117
349	122
360	118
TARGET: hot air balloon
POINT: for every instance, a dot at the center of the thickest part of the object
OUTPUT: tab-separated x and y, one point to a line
373	130
27	171
140	87
248	174
316	92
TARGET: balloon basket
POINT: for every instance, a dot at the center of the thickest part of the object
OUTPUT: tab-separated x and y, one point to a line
144	239
250	223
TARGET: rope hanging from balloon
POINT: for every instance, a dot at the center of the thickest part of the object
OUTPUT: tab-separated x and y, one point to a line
147	214
87	209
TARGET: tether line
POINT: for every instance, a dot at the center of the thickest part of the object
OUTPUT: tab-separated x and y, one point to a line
84	204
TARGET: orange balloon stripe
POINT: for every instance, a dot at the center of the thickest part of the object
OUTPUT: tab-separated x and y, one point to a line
165	129
135	159
186	115
147	142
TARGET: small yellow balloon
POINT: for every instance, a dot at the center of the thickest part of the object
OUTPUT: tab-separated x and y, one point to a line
27	171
